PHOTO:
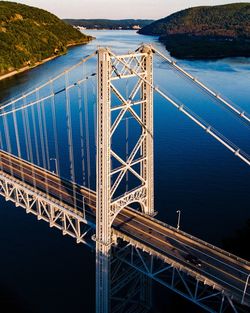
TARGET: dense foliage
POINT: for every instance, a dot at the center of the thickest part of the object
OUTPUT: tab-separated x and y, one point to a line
29	35
200	47
108	24
205	32
232	20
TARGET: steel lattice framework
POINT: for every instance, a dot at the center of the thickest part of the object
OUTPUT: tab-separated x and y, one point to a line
46	208
110	69
143	260
168	273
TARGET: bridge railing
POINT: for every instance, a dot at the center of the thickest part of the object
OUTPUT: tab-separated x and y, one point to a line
197	240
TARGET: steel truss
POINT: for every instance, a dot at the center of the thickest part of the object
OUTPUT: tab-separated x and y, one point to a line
200	292
109	180
57	214
131	291
62	217
141	259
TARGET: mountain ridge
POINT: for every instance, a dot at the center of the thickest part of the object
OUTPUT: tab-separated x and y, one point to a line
29	36
205	31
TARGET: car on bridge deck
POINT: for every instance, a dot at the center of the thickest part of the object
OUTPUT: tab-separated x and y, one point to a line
190	258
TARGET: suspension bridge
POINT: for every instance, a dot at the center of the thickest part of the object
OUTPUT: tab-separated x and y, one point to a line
50	150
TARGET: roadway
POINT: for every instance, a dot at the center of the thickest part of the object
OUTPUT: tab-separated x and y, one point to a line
226	271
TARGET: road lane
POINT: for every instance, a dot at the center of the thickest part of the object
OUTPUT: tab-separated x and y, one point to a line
208	268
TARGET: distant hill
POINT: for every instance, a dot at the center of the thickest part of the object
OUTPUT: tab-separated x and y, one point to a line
108	24
29	35
205	32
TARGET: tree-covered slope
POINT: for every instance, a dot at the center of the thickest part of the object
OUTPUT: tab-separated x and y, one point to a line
29	35
209	31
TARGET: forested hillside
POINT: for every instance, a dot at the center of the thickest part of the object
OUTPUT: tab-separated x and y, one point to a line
29	35
205	32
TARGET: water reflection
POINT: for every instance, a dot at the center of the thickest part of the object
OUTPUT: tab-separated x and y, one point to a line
192	173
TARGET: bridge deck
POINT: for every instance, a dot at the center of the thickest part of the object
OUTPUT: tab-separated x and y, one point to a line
218	268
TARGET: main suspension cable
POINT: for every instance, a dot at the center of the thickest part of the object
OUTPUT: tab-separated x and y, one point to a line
235	109
195	118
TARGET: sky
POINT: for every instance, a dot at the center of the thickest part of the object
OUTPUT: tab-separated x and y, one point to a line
118	9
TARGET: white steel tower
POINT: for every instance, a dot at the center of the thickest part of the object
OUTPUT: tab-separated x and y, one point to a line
136	67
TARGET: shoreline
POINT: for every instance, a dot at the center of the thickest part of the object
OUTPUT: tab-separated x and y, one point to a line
205	48
27	68
185	47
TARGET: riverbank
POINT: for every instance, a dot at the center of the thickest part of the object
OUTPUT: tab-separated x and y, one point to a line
27	68
30	67
205	48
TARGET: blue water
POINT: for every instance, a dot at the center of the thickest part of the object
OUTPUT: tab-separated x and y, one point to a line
46	272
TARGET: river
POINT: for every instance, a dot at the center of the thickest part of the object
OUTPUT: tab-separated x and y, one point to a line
43	272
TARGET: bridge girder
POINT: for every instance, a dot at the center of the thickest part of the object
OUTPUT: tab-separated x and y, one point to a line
45	208
193	287
168	274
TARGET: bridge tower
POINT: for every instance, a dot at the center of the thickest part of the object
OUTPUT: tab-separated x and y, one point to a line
136	67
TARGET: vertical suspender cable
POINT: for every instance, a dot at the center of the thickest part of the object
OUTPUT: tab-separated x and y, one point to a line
95	131
86	115
35	133
95	114
70	137
18	142
7	138
54	125
17	135
47	163
81	134
95	122
126	122
25	135
95	125
41	135
45	136
40	125
7	134
1	147
82	142
42	139
27	125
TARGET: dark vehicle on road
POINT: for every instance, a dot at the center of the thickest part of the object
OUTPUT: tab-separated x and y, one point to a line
193	260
